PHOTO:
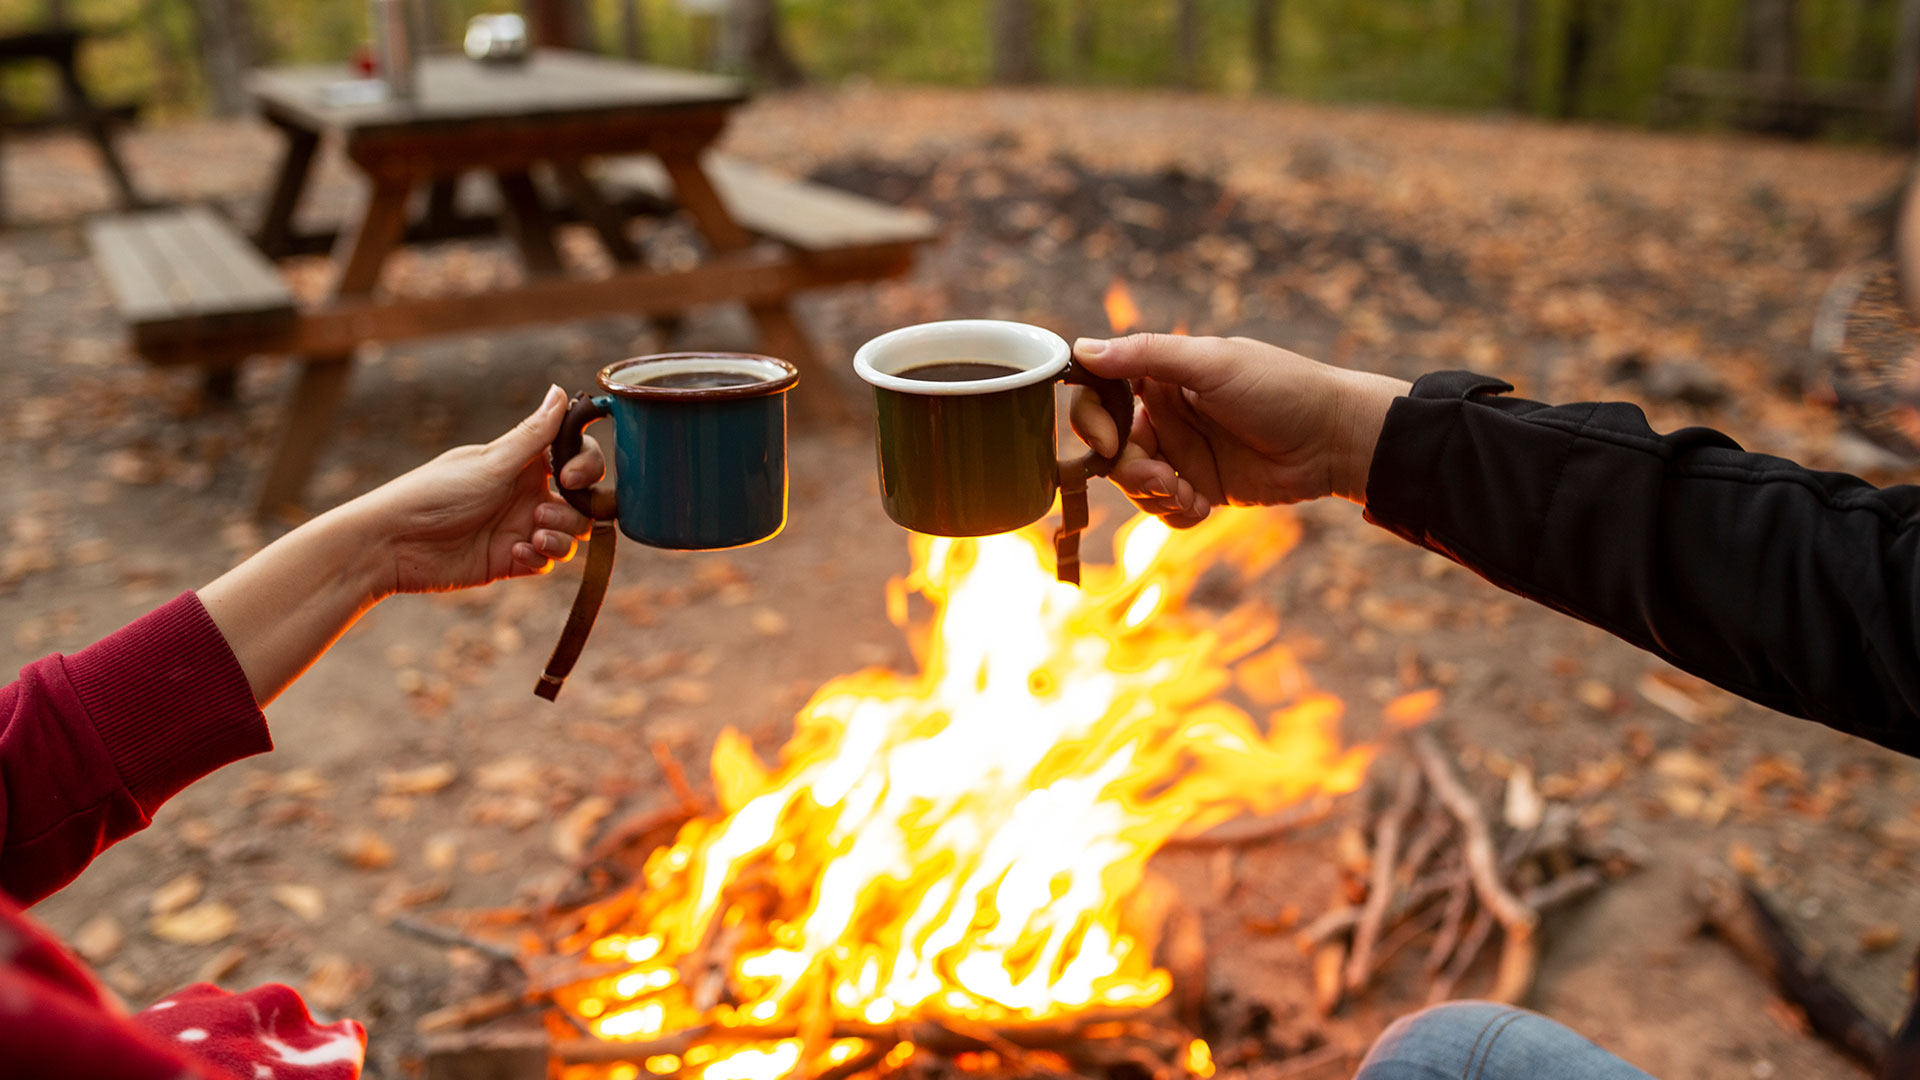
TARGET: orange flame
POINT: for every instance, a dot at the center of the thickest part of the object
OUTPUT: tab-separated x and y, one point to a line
1122	313
963	843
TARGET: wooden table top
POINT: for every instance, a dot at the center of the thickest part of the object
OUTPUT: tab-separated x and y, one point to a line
453	91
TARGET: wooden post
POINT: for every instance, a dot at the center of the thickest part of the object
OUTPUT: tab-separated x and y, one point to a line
1015	60
1770	48
1265	59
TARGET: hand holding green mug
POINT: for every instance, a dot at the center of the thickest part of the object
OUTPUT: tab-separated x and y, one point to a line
966	435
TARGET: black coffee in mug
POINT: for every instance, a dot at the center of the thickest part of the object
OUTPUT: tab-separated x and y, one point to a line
959	371
697	380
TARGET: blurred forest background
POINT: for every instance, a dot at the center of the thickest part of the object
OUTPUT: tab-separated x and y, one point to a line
1795	66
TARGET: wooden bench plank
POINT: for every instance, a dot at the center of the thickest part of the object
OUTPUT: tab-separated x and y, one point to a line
189	284
809	217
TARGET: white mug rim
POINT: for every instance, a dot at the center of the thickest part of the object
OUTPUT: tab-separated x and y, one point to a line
1058	355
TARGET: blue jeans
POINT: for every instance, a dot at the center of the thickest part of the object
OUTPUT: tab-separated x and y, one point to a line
1475	1040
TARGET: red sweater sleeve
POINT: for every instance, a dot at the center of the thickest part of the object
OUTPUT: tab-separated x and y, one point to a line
91	744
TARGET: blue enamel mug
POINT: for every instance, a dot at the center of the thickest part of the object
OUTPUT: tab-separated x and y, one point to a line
700	448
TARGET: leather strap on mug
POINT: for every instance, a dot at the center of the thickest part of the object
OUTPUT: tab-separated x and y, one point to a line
1073	521
586	607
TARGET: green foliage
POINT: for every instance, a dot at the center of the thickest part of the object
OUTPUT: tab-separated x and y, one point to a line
1450	53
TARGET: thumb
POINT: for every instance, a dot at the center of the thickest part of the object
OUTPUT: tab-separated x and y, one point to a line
534	433
1196	363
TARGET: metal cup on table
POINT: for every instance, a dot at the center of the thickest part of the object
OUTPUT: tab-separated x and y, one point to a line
496	39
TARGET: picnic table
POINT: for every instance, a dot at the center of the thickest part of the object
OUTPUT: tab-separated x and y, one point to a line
196	290
60	47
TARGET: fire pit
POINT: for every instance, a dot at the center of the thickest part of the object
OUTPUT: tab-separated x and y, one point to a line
949	867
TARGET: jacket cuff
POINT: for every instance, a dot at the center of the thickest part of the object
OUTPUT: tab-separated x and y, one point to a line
169	700
1403	478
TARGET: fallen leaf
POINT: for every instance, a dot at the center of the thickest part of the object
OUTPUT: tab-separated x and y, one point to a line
441	852
769	623
303	900
366	849
1879	937
202	924
302	784
517	773
624	705
1595	695
98	938
1690	699
572	832
688	691
1524	808
221	964
175	894
333	980
424	780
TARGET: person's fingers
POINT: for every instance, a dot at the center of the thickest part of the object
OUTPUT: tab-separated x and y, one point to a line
557	546
562	517
1092	424
1181	442
1154	487
528	560
1198	363
534	433
586	468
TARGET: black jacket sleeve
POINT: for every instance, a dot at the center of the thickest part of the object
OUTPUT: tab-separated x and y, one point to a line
1799	590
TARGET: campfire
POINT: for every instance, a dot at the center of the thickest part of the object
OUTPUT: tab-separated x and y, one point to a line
953	862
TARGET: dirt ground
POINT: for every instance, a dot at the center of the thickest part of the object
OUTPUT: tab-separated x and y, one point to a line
1683	271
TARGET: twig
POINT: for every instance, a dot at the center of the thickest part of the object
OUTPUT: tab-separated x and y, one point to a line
858	1063
676	777
1514	916
1277	827
470	1011
1341	919
1424	844
1565	889
441	935
1312	1061
1469	951
1386	848
1451	924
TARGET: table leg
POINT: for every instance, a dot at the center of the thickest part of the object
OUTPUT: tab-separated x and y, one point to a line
595	210
527	222
95	121
296	164
780	332
442	204
323	379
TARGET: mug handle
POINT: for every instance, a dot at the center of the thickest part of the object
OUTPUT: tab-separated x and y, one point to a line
598	502
1116	396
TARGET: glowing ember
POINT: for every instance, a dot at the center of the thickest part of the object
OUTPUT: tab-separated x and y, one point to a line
960	844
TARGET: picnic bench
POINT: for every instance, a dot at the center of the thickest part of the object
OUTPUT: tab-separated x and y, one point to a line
60	47
555	138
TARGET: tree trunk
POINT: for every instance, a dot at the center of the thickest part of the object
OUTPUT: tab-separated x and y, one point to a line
1520	61
1576	56
226	52
426	23
633	30
1014	58
753	43
1770	39
1083	40
1186	35
1902	100
57	13
1265	13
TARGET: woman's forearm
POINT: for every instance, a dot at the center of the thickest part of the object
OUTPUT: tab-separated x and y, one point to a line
282	608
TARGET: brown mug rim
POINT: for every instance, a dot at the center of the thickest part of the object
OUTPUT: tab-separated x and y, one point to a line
697	393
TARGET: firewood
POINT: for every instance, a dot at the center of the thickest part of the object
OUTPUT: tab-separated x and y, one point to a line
1477	934
468	1012
1903	1054
1257	831
1451	924
441	935
1386	848
1741	917
1329	984
1514	916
